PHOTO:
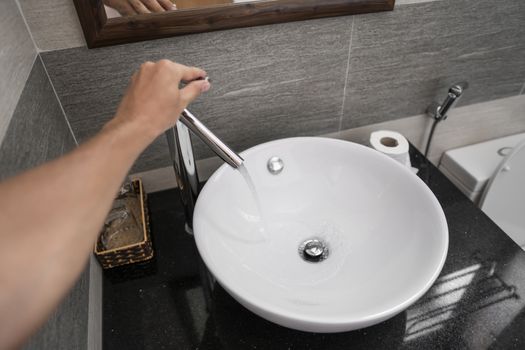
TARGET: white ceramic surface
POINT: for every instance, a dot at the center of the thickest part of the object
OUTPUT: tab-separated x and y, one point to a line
386	233
504	197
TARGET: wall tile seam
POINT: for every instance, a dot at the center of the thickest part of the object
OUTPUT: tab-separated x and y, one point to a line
58	100
347	71
95	305
348	64
3	134
27	26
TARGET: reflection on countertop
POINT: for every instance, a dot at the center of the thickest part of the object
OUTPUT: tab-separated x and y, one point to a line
477	302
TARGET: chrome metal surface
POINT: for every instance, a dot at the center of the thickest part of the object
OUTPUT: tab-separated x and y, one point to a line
219	147
440	111
181	153
275	165
504	151
313	250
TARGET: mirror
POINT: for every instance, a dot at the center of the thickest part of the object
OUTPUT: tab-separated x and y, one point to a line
109	22
126	8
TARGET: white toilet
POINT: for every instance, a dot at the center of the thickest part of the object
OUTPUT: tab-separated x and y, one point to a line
492	175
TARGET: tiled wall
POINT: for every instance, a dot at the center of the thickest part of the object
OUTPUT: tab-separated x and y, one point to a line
400	61
465	125
53	23
33	129
313	77
38	132
269	81
17	54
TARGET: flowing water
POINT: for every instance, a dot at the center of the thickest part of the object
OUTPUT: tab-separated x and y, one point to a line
263	227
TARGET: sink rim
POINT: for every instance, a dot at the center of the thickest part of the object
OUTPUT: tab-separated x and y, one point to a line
324	323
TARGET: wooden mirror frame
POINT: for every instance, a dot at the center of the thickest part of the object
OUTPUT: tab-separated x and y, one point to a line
101	31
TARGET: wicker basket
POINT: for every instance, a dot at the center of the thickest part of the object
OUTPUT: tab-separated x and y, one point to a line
132	253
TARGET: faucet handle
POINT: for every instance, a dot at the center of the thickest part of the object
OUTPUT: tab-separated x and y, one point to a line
209	138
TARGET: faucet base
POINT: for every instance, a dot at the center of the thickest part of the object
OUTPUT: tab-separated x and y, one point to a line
433	111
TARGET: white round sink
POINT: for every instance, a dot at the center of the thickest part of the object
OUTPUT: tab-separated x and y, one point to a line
375	236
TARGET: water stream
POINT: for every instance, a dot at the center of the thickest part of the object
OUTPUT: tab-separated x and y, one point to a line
263	227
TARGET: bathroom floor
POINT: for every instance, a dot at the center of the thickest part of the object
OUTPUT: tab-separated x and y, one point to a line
476	303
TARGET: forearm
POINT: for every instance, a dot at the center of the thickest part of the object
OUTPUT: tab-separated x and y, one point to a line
51	217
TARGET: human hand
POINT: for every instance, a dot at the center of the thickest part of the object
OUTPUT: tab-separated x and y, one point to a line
154	102
135	7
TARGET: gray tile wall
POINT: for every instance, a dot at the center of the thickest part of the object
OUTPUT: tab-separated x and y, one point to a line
67	327
38	132
269	81
17	54
53	23
313	77
402	60
33	130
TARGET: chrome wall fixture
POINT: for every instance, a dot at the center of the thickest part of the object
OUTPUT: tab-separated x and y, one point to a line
439	112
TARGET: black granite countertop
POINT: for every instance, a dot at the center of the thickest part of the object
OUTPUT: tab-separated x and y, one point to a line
477	302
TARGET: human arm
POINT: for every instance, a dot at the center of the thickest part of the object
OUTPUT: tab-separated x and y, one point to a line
50	216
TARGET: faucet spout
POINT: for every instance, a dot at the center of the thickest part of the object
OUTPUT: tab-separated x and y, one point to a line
219	147
182	157
440	111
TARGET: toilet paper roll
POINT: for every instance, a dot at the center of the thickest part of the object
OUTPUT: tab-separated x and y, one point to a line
392	144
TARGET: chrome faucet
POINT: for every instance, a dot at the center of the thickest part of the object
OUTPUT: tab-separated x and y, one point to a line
439	112
181	153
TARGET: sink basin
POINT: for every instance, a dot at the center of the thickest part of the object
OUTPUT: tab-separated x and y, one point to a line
379	235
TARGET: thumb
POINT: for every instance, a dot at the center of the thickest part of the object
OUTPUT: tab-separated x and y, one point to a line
193	90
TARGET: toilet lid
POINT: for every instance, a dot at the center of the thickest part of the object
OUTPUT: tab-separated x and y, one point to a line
504	197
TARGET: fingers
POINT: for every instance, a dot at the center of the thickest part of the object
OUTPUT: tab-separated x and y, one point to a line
145	66
183	72
132	7
191	73
193	90
167	5
153	5
180	72
126	10
122	6
139	6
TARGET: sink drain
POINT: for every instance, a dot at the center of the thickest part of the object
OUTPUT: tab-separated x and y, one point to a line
313	250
